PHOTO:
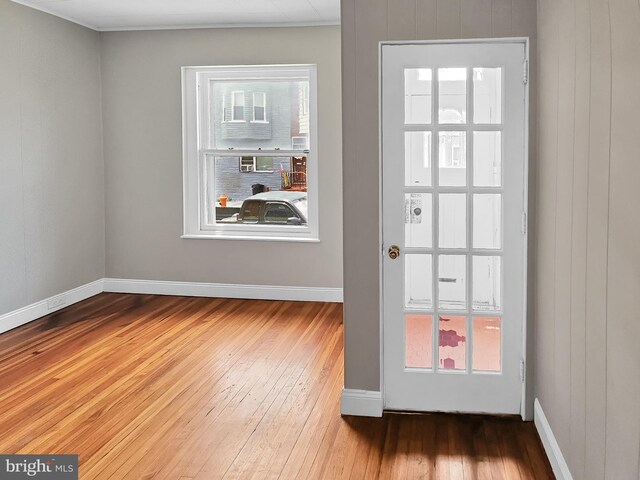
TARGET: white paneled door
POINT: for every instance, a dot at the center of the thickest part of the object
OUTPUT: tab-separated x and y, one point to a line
454	225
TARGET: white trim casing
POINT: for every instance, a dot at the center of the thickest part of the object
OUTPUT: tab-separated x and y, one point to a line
361	403
222	290
27	314
196	131
550	444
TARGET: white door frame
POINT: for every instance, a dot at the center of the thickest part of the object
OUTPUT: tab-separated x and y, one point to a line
526	406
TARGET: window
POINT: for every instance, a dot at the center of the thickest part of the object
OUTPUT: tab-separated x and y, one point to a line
237	107
256	164
299	143
250	173
305	99
259	107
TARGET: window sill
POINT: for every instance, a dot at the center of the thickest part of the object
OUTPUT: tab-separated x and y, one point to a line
213	236
260	121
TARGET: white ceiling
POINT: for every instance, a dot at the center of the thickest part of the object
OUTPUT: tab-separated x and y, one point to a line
155	14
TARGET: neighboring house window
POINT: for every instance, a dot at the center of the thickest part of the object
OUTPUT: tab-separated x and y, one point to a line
259	107
237	106
250	179
305	99
256	164
299	143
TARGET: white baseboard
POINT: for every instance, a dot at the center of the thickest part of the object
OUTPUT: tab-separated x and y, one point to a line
11	320
551	447
27	314
221	290
361	403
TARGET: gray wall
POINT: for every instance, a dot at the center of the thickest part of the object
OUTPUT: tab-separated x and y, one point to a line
364	24
143	157
51	167
588	301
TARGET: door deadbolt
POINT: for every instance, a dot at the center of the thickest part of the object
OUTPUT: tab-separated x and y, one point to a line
394	252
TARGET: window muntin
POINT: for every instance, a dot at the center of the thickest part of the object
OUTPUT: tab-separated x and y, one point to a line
228	160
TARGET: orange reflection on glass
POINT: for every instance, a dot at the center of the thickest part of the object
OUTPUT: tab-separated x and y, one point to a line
486	344
418	341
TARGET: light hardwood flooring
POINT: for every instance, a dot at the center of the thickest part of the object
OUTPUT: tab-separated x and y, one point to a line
151	387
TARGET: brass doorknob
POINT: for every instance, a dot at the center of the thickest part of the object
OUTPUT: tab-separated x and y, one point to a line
394	252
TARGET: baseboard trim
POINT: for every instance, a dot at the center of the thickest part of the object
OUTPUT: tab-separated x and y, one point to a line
21	316
361	403
16	318
550	444
222	290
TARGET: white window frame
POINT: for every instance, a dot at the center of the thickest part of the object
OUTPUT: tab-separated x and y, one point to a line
264	106
197	105
233	106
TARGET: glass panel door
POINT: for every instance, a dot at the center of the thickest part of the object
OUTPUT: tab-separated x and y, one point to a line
454	341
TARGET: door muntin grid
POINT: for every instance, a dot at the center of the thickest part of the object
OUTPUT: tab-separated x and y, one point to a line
488	125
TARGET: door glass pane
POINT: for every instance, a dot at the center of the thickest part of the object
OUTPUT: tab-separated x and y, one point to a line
418	338
418	277
486	344
452	95
487	286
452	291
487	159
452	337
417	95
487	221
417	159
452	220
452	154
487	95
418	228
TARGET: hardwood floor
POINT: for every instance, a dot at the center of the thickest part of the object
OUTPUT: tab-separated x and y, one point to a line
152	387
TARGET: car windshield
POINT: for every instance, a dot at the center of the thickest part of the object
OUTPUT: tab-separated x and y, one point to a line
301	204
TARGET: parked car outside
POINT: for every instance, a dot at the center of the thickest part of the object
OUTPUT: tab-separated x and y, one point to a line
272	208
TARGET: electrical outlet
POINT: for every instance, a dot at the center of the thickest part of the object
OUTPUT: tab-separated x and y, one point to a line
56	302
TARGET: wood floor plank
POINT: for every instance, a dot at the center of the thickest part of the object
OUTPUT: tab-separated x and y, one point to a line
175	388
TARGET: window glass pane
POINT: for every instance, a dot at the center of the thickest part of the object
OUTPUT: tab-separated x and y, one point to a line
452	220
238	106
452	276
418	337
418	228
264	164
253	125
487	221
259	107
229	181
452	95
487	95
452	152
487	286
417	95
487	159
418	286
417	159
452	338
486	344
